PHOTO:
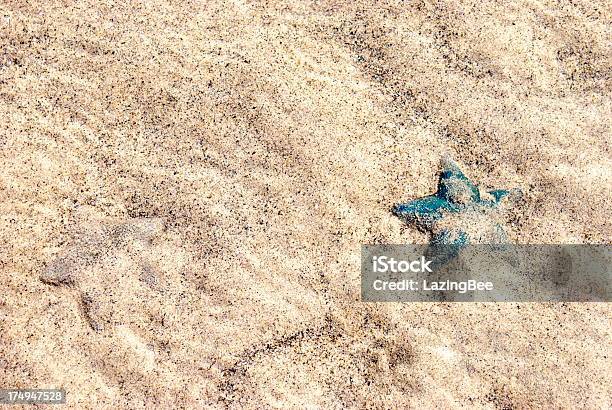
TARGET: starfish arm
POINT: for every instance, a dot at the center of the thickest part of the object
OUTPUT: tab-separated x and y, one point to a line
452	178
423	211
446	245
499	194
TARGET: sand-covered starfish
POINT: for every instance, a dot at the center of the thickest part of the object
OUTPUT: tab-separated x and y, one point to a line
458	213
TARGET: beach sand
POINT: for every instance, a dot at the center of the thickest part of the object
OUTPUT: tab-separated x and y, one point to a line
186	187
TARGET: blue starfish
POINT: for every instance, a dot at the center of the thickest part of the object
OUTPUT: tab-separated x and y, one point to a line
456	195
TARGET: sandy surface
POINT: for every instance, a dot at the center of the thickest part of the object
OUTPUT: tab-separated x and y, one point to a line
185	188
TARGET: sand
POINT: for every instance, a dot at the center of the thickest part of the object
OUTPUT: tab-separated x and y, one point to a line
186	186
